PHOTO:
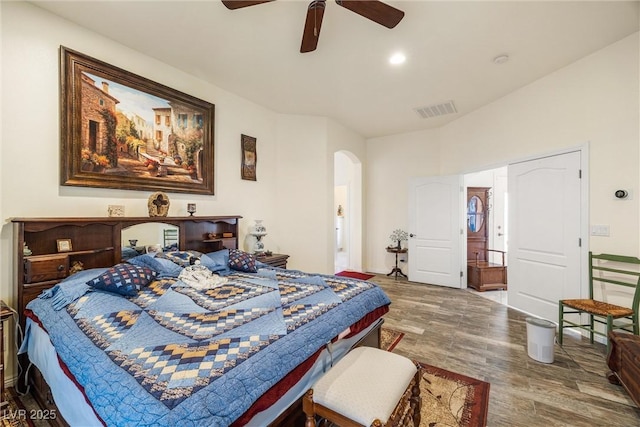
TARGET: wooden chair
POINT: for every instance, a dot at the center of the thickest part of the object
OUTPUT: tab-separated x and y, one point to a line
611	274
367	387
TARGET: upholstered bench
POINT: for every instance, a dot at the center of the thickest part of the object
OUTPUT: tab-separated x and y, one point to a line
367	387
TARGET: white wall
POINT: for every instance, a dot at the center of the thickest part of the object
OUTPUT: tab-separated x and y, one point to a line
293	193
301	171
305	188
340	202
30	131
594	100
343	140
391	162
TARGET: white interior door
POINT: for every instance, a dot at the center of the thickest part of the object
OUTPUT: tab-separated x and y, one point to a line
544	233
435	230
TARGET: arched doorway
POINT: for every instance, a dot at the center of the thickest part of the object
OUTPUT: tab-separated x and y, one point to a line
347	212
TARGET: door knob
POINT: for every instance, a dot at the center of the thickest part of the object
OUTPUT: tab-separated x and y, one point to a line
412	235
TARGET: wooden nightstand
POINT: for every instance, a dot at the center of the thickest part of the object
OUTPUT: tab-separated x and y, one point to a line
274	260
5	314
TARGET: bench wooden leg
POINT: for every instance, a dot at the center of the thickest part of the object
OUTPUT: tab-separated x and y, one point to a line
307	408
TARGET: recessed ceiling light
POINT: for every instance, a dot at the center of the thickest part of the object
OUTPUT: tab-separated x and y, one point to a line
500	59
397	58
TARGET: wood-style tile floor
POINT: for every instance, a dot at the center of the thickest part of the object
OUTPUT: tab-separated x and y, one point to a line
459	330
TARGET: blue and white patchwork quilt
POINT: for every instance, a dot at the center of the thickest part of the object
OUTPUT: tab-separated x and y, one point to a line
176	355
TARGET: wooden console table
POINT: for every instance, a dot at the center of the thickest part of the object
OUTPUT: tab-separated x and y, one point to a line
396	270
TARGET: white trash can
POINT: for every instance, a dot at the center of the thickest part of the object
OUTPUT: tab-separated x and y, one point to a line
540	339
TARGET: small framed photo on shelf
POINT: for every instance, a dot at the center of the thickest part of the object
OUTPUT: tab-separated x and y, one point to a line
64	245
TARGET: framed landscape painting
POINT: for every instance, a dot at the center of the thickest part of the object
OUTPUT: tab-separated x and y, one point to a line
120	130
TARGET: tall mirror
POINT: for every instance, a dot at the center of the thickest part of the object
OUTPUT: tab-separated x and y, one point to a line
149	237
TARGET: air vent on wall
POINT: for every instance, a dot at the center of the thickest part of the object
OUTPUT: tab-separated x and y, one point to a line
436	110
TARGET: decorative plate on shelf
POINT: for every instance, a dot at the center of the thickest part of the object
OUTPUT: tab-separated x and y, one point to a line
158	204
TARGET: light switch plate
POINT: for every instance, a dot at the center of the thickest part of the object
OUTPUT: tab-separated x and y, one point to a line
600	230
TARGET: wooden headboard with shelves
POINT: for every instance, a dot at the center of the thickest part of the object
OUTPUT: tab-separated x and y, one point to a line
97	242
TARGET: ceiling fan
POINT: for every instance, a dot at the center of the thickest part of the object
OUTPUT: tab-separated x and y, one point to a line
374	10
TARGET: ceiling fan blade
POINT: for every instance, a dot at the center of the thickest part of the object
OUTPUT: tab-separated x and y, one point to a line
312	26
238	4
374	10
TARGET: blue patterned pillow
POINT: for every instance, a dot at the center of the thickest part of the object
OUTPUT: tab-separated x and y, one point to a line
162	266
242	261
182	258
124	279
216	261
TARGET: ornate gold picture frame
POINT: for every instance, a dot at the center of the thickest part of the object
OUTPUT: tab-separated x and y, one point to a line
120	130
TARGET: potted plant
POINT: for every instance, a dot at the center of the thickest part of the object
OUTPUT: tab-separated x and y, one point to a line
398	236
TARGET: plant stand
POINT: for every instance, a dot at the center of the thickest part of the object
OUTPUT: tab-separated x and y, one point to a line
396	270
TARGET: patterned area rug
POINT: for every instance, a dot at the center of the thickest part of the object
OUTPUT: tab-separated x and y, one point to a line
448	399
390	338
13	413
355	275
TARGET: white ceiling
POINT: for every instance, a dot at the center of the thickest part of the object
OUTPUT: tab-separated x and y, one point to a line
450	46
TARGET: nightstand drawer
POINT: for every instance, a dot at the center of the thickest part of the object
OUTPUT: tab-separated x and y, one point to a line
45	267
274	260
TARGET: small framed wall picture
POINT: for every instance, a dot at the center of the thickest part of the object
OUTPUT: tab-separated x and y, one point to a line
249	158
64	245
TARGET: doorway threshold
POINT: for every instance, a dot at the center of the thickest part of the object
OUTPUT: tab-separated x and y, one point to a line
498	296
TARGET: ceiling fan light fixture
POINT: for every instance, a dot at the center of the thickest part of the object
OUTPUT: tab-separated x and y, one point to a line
397	58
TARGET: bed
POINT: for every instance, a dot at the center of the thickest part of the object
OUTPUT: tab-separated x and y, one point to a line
193	338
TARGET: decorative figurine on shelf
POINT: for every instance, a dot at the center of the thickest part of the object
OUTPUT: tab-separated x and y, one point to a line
158	204
191	208
115	210
397	237
75	267
25	250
